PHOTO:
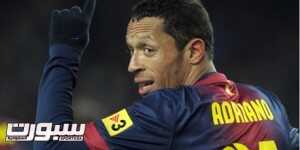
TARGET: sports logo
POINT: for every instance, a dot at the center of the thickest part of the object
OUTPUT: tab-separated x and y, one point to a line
117	123
44	132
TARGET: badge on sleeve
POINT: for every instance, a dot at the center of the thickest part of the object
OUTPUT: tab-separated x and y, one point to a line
117	123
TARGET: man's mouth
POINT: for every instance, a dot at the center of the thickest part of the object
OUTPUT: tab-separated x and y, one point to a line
145	87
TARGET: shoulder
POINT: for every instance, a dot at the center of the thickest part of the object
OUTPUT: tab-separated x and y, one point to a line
262	92
254	90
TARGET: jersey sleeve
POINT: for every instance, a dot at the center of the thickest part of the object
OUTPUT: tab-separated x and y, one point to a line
55	94
149	124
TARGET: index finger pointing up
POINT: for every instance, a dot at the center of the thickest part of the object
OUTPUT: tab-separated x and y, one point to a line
89	8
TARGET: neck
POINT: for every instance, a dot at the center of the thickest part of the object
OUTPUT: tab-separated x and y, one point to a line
197	71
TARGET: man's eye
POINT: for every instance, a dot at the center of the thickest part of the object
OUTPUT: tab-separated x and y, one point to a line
149	52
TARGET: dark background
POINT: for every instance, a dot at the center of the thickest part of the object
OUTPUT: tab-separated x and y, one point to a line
256	42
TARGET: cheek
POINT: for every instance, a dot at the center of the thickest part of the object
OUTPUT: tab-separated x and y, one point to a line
158	68
167	74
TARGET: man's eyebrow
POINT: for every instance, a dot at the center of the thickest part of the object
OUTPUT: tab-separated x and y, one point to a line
138	44
143	40
141	44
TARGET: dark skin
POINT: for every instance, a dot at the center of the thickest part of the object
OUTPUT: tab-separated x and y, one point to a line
157	63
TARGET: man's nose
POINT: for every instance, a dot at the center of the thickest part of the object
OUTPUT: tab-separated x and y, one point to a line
134	63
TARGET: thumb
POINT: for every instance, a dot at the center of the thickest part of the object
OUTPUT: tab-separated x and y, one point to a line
89	8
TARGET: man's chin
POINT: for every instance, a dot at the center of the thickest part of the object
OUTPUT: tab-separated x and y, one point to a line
143	92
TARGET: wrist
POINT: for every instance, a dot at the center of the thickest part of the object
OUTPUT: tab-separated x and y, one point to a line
65	51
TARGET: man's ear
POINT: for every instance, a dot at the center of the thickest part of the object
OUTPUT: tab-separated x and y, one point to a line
196	49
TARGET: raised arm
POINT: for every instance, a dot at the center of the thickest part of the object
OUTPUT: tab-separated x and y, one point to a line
68	38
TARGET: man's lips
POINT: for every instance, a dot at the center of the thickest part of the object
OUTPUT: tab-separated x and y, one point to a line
145	83
145	86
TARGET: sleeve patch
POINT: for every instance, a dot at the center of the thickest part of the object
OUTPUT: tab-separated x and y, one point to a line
117	123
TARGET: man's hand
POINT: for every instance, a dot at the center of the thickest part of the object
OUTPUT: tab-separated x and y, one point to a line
294	138
71	26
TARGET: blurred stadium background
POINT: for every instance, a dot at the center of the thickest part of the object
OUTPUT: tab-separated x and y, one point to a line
256	42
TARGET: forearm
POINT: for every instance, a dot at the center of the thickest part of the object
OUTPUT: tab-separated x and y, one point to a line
56	86
55	94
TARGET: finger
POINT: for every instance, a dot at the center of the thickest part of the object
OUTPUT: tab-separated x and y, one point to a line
89	8
65	12
55	12
76	10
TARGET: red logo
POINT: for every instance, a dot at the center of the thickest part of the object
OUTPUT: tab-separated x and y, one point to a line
115	118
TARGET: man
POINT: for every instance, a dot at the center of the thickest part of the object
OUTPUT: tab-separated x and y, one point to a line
185	104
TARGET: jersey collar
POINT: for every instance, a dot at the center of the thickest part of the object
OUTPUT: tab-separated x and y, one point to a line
212	78
220	81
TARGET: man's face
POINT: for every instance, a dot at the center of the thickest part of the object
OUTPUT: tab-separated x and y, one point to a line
155	60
